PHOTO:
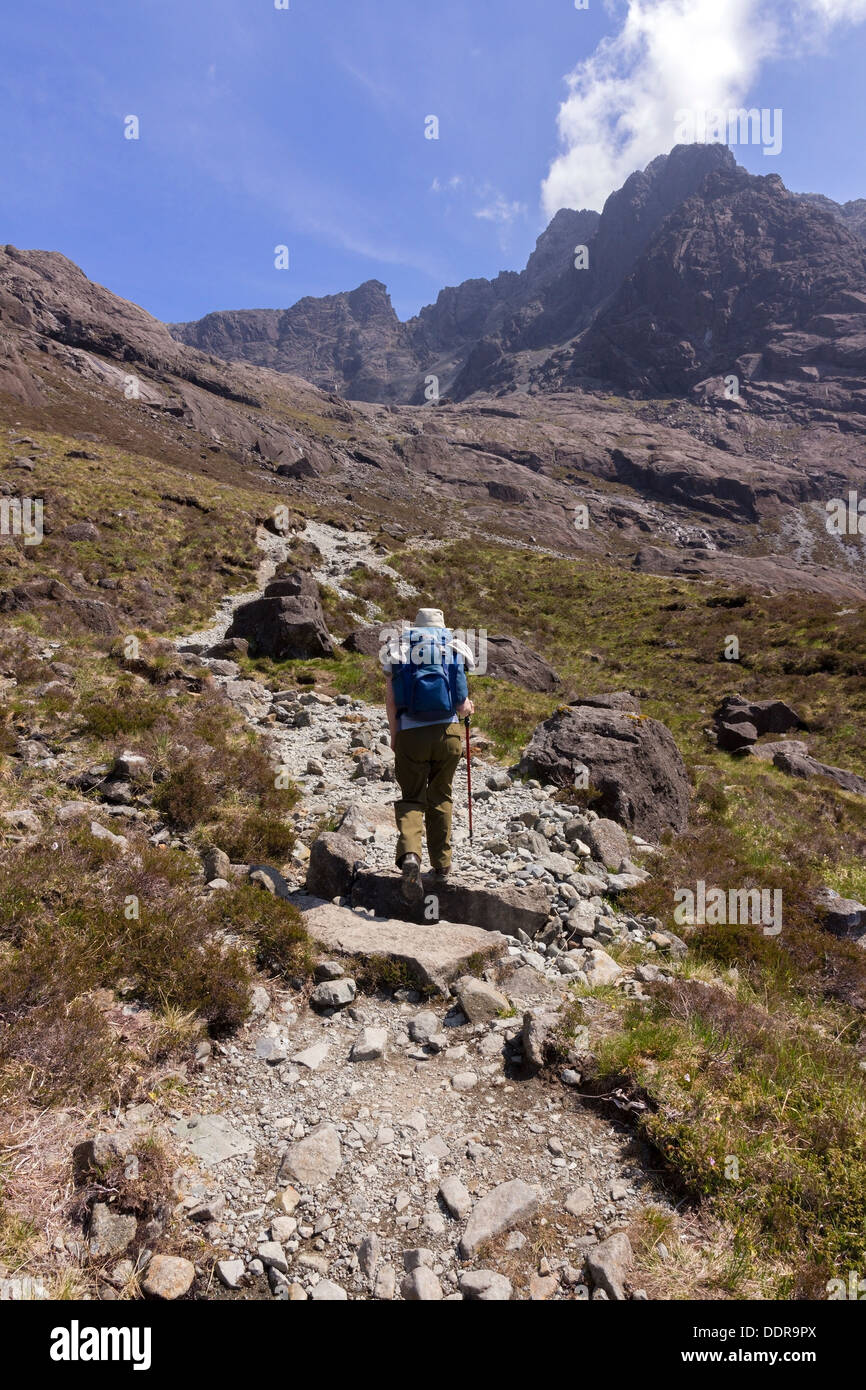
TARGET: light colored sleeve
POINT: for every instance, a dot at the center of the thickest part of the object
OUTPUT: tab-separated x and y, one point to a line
465	652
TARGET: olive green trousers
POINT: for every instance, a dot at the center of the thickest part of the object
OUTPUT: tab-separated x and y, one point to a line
424	764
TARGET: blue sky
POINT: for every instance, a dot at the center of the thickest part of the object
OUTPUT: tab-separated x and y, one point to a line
305	127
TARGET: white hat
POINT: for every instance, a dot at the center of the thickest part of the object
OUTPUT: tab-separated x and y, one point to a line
429	617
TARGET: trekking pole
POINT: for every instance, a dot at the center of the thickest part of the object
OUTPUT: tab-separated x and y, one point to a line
468	776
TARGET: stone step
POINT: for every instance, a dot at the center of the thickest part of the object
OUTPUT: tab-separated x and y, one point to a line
504	909
435	953
337	870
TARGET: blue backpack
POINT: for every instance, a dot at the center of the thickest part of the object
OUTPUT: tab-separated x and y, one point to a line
425	686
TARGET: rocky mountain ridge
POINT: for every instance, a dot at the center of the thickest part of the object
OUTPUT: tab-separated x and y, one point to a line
693	270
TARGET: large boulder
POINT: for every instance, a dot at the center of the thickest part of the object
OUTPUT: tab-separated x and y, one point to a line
510	660
285	628
841	916
740	722
294	584
506	658
766	752
633	765
433	956
736	736
798	764
367	640
92	613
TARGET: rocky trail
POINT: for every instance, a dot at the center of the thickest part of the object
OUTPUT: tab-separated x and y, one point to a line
403	1142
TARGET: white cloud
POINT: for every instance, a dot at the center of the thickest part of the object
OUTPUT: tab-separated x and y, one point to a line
837	11
493	204
669	55
498	209
447	185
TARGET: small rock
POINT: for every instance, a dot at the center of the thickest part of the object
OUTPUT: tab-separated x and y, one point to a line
326	1291
421	1286
485	1286
609	1263
579	1201
456	1197
414	1259
370	1044
601	969
424	1026
333	994
312	1057
542	1287
270	1050
316	1159
260	1001
480	1002
168	1277
283	1228
369	1254
287	1200
464	1080
273	1256
110	1232
386	1283
508	1204
230	1273
328	970
99	832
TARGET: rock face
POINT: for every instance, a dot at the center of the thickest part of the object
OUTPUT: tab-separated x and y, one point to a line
785	315
788	283
477	334
352	343
634	765
661	331
285	628
851	214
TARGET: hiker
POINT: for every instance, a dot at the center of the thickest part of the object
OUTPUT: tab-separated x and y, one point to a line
425	695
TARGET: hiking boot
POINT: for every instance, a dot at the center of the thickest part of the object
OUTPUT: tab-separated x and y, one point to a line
410	868
440	875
